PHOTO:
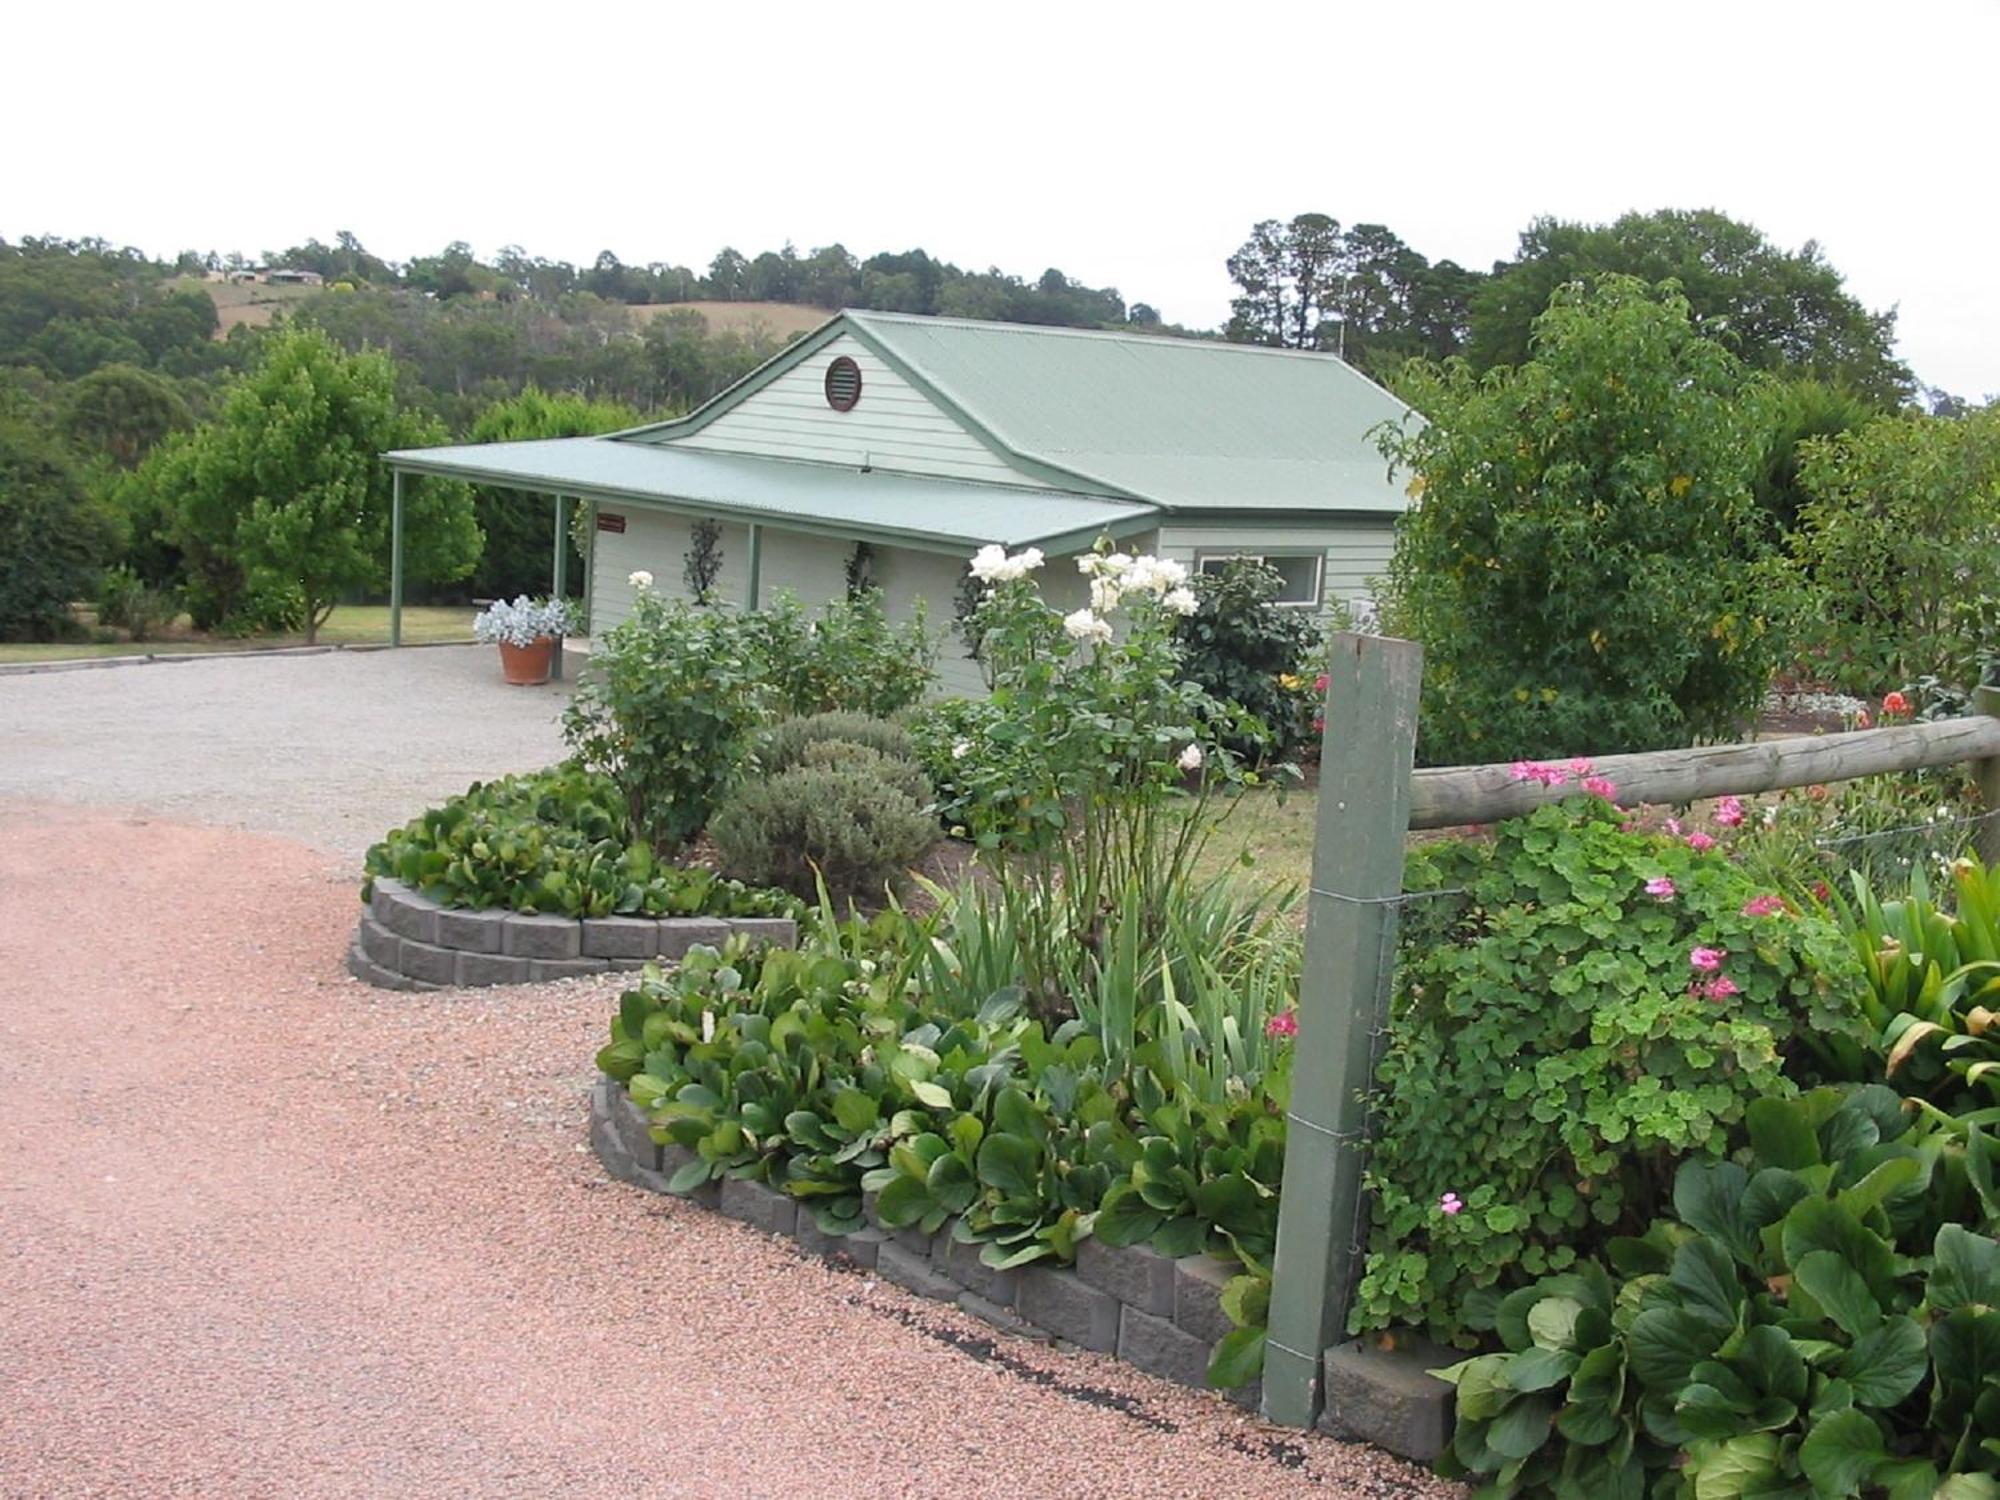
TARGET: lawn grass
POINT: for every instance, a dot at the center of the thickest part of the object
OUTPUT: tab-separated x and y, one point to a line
348	625
1264	835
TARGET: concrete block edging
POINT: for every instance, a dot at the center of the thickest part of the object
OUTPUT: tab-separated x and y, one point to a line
404	941
1167	1327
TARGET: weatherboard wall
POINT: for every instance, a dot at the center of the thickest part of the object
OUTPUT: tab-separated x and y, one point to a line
1356	553
894	427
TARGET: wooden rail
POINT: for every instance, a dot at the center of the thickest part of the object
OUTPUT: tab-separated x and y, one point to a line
1450	796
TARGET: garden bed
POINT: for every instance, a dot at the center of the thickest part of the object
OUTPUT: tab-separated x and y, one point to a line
1159	1313
406	941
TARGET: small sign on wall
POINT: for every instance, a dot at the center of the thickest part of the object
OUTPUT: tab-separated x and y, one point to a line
606	521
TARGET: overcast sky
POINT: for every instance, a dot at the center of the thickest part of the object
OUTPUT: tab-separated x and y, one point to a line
1130	145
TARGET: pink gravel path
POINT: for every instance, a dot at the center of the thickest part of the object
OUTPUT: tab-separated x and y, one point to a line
265	1231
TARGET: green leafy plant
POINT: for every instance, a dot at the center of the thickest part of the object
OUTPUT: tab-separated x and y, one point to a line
1247	649
786	744
835	1071
858	826
1600	1004
1817	1319
670	710
850	658
553	841
1583	559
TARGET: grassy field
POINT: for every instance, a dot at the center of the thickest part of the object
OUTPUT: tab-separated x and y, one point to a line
248	302
349	625
778	319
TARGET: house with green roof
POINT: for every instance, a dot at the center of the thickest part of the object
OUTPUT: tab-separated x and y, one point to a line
886	448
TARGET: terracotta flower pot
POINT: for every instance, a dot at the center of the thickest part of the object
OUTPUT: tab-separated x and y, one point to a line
528	666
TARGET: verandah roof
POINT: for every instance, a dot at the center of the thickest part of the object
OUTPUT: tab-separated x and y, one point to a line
932	514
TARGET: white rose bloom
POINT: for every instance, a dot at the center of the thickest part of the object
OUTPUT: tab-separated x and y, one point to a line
1171	573
640	579
1191	758
988	564
1105	594
1117	562
1085	626
960	749
1181	601
1029	560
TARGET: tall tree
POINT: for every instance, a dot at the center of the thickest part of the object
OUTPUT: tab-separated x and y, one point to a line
122	411
520	527
1360	292
1583	560
1775	309
52	537
288	480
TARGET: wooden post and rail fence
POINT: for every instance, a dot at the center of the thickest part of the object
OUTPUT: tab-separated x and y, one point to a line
1370	797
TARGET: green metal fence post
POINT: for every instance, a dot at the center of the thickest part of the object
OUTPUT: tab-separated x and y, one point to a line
558	586
396	557
1364	817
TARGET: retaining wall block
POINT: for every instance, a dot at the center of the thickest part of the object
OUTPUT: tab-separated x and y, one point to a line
427	961
707	1193
678	934
1198	1284
1137	1275
914	1273
780	932
962	1264
470	931
620	937
609	1146
365	969
1005	1319
635	1131
1385	1397
524	936
540	969
1069	1307
859	1247
1157	1346
491	968
383	895
759	1205
410	915
378	942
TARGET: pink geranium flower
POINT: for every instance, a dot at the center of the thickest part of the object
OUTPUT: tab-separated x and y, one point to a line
1660	888
1729	812
1700	842
1763	906
1601	786
1708	960
1450	1203
1284	1023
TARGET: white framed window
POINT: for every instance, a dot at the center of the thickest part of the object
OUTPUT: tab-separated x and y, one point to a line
1301	572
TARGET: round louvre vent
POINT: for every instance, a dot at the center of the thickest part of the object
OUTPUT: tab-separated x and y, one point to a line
843	384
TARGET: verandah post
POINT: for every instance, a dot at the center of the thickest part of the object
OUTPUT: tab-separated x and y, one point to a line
1367	753
559	580
395	557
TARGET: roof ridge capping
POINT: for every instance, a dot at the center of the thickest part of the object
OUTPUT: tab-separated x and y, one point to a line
1150	340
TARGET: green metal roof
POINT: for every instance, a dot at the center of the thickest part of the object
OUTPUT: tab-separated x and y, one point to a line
1186	424
937	514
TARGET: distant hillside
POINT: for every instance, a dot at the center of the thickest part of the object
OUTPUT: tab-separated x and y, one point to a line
782	320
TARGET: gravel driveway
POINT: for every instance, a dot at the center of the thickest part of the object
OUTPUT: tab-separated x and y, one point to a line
265	1231
331	750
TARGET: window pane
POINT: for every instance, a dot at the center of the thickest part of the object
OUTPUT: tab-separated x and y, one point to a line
1215	564
1301	575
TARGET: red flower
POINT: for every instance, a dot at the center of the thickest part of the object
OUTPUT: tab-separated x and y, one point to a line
1894	704
1284	1023
1822	891
1319	683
